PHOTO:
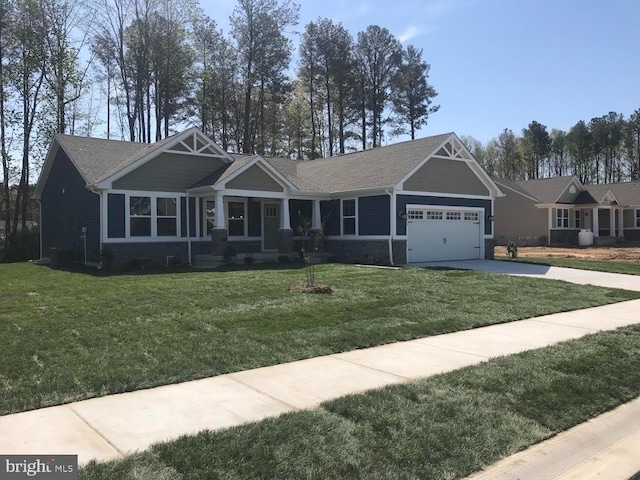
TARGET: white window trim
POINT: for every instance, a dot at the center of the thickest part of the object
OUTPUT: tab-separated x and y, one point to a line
246	219
557	218
204	233
342	217
636	218
158	217
577	221
154	217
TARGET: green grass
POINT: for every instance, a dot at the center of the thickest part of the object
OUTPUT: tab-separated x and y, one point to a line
68	336
445	427
610	266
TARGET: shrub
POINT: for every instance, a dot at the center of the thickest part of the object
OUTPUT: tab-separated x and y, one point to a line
512	250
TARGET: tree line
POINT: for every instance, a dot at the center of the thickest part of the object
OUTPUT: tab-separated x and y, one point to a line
140	70
604	150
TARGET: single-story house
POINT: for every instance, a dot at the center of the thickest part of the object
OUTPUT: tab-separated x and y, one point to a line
552	211
184	196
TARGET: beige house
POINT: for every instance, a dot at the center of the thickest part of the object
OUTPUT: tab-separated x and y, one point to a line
552	211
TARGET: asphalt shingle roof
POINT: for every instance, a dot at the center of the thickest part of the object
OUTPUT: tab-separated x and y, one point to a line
547	190
513	185
627	193
97	159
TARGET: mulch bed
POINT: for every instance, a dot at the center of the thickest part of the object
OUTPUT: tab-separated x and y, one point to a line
326	289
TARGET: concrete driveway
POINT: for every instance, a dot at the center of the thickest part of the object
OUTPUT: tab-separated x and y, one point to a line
583	277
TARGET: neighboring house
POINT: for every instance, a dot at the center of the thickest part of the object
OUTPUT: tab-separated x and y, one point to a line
414	201
552	211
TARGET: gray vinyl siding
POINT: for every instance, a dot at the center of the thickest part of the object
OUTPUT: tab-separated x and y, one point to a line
67	206
403	200
629	217
518	220
445	176
116	215
374	215
254	179
169	172
568	197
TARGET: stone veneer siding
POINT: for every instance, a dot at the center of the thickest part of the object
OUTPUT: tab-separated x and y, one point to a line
362	251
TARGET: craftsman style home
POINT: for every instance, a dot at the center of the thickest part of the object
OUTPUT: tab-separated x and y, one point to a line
552	211
184	197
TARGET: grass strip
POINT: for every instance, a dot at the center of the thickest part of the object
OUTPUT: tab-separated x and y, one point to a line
68	336
444	427
609	266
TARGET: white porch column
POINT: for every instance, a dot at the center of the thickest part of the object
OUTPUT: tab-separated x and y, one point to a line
594	222
550	225
316	221
286	218
221	216
612	222
620	222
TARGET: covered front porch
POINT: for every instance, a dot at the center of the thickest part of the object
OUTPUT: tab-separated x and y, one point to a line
257	224
606	222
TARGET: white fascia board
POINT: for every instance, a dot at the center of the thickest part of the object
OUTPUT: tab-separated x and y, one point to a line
254	194
359	192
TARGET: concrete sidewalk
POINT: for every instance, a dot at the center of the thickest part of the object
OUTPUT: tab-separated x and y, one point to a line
572	275
110	427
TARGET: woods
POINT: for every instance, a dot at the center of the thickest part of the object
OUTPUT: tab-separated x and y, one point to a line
140	70
605	149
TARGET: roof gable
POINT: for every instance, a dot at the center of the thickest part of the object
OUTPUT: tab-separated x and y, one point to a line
243	165
547	190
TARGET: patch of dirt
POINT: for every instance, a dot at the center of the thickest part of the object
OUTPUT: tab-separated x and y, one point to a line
326	289
623	253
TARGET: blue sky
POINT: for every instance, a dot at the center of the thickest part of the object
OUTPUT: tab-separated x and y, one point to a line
502	63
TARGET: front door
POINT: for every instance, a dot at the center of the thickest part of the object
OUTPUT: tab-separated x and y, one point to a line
271	226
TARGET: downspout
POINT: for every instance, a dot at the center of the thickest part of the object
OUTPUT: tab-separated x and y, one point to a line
39	228
188	231
392	207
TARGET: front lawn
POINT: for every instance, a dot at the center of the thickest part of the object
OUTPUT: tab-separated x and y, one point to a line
610	266
68	336
445	427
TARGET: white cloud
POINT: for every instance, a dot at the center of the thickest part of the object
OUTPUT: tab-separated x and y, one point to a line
410	33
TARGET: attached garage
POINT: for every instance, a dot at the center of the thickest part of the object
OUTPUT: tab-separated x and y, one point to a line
436	233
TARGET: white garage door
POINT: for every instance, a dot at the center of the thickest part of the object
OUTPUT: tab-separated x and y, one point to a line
443	234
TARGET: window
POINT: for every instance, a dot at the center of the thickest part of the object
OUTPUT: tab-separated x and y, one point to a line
577	219
210	215
237	219
454	216
562	218
140	216
472	216
349	217
434	215
166	217
415	215
270	211
638	218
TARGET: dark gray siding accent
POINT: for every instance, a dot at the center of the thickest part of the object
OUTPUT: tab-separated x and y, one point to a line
67	206
330	212
169	172
373	215
298	210
403	200
116	215
254	217
183	216
564	237
255	179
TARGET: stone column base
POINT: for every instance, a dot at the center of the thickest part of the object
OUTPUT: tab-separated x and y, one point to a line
219	240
